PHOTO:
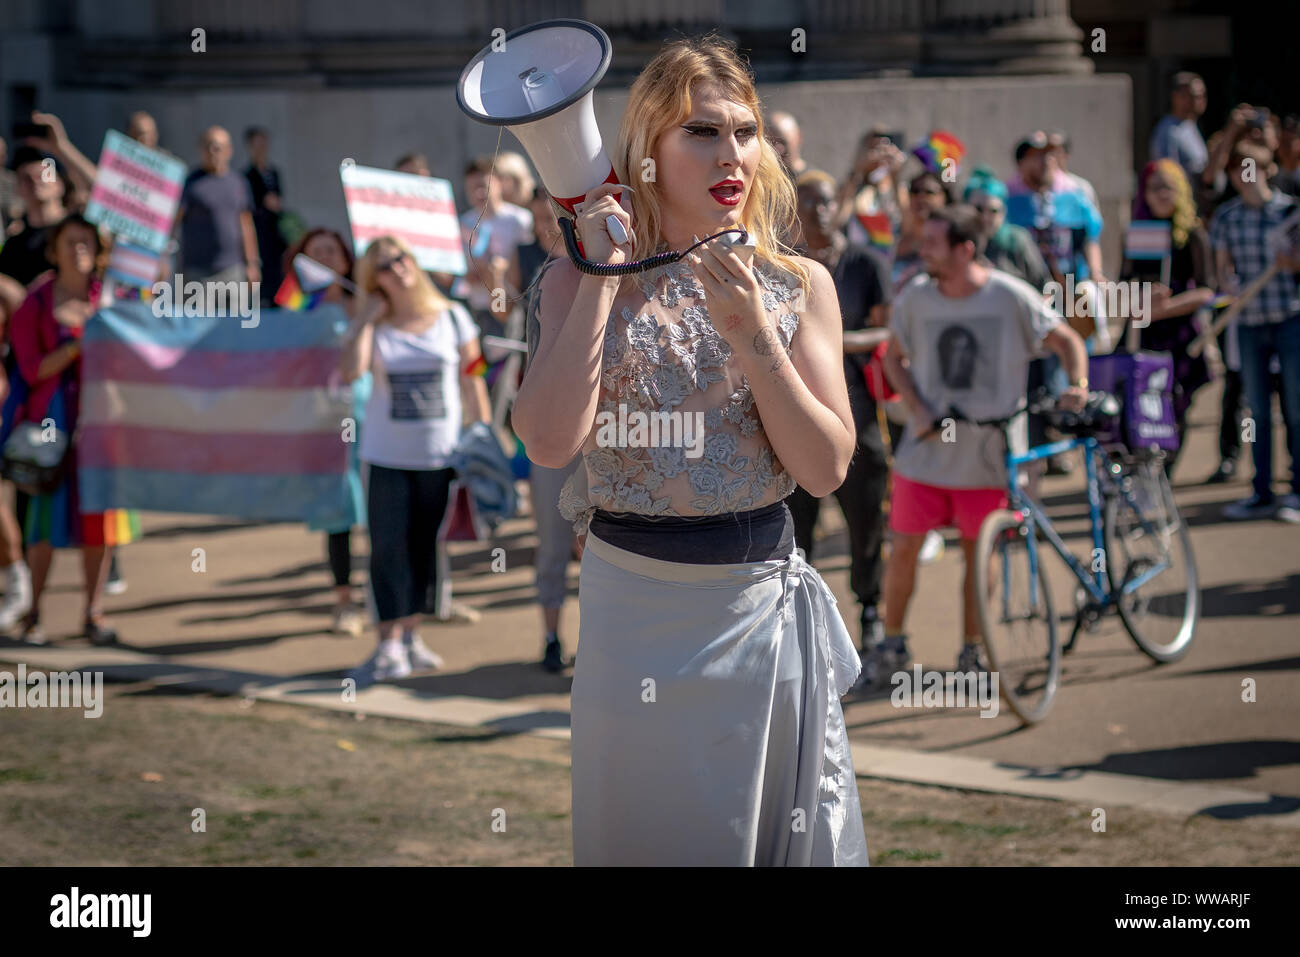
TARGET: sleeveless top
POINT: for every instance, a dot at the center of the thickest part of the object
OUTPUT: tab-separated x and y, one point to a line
700	449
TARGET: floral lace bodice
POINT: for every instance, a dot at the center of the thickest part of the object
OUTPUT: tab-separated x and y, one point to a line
663	355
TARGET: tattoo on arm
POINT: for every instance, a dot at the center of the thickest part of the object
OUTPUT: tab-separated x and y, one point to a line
766	343
533	323
731	322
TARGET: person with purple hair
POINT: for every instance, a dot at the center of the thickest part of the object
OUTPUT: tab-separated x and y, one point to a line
1164	194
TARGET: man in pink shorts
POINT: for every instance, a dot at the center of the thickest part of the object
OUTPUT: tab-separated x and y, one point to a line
962	338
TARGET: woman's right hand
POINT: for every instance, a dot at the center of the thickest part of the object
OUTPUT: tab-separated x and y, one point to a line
922	418
597	245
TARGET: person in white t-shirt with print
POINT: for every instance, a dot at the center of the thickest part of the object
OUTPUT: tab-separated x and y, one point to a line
418	345
962	336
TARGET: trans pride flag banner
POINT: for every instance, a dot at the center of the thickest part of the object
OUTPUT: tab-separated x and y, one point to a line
201	415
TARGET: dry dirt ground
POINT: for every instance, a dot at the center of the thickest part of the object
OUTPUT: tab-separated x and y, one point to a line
281	785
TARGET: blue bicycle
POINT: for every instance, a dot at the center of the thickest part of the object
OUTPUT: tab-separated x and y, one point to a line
1142	564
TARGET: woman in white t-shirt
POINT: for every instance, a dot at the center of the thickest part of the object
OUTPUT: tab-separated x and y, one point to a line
418	345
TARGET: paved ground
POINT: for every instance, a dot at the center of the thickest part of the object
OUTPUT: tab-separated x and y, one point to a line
261	609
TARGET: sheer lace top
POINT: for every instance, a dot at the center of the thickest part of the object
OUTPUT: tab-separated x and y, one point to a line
663	355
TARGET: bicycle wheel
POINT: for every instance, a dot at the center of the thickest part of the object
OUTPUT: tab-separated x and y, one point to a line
1016	615
1155	548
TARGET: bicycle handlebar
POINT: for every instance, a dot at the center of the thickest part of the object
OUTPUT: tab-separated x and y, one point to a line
1098	407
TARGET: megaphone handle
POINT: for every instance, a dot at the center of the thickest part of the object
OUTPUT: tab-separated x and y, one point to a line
616	230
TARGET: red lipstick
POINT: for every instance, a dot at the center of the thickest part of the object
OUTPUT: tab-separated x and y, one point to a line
728	192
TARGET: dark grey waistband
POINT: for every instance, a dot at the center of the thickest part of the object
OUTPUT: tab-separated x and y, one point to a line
759	535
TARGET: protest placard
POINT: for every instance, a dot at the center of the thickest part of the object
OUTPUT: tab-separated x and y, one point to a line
419	210
136	192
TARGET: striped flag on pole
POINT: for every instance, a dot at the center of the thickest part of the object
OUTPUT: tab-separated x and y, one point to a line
420	210
1148	239
132	265
204	416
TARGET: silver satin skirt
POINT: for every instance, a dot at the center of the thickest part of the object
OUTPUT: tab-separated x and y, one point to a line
707	727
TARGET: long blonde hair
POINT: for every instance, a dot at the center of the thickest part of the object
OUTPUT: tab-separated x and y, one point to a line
1184	220
660	99
426	295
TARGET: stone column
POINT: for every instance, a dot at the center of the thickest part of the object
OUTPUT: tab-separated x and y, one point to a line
1002	36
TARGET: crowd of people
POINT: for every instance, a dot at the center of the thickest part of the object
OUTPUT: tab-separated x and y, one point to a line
941	293
895	214
410	372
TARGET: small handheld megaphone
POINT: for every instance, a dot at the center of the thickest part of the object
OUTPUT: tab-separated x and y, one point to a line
538	83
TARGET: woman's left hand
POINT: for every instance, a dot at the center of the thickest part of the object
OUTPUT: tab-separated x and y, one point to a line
732	293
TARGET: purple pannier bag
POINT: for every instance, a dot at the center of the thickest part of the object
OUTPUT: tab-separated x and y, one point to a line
1144	384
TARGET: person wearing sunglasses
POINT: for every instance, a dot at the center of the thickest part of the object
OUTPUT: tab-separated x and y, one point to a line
1007	247
927	192
418	345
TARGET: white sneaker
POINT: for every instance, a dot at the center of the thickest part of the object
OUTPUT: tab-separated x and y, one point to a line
932	548
388	663
1288	509
18	595
421	656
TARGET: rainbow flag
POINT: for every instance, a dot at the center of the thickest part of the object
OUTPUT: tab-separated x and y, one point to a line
291	296
519	463
880	230
478	367
205	416
133	294
938	149
48	516
60	518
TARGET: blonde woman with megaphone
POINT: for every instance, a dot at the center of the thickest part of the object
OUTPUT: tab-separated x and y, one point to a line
707	726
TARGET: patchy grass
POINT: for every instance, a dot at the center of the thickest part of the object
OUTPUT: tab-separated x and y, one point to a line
278	784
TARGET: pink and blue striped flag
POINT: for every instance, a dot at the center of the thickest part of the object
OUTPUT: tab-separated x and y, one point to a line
133	266
204	416
1148	239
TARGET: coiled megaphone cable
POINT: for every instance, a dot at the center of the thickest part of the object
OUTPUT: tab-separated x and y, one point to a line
636	265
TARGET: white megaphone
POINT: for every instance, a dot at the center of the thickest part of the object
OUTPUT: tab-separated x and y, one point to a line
538	82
